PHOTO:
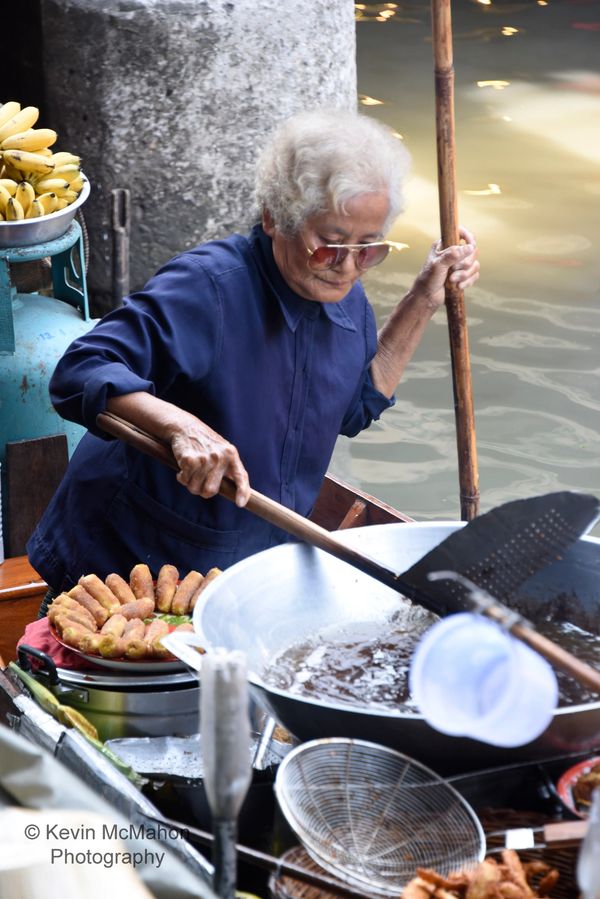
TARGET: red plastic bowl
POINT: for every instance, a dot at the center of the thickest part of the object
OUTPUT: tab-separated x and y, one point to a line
567	781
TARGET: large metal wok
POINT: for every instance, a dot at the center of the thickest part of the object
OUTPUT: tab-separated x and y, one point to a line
275	598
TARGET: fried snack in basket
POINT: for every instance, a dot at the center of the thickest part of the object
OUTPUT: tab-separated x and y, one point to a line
98	612
100	592
166	585
507	879
119	586
140	581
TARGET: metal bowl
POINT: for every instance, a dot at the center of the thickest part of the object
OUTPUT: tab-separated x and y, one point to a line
27	232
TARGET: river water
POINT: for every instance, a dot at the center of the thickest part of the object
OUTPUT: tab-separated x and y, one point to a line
527	105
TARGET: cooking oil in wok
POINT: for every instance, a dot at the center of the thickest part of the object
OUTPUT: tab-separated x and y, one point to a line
367	663
361	663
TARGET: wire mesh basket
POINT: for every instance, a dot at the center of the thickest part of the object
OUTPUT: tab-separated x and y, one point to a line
370	815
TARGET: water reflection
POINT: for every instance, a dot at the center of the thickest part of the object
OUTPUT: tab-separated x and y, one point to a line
528	147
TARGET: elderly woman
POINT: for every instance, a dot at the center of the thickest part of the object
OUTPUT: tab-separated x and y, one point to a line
249	356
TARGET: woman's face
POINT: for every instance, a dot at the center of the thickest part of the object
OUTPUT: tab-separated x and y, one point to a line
362	223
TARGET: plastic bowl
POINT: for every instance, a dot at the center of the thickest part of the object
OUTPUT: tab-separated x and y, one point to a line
27	232
471	678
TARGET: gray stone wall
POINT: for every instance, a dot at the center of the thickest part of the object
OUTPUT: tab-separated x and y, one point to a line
172	98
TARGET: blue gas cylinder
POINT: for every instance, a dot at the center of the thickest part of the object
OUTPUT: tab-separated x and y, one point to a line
35	330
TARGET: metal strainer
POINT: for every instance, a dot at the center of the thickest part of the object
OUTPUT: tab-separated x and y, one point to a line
371	816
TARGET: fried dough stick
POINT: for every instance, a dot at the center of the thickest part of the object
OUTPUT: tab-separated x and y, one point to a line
109	645
186	590
65	604
132	643
141	608
166	585
100	592
208	579
119	586
80	594
140	581
79	638
154	631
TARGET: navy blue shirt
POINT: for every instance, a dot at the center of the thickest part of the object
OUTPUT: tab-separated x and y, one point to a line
218	332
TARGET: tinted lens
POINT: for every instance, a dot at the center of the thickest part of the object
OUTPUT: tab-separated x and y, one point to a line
372	255
326	257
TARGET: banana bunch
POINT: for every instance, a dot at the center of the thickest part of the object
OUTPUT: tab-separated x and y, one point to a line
34	181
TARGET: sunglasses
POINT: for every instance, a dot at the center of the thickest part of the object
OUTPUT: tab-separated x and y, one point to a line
366	255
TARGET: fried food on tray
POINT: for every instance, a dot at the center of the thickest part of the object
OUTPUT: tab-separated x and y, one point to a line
157	629
166	585
117	620
187	589
507	879
119	586
80	594
100	592
141	582
208	578
141	608
66	605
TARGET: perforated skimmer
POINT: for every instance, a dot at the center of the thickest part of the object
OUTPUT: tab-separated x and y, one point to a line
371	816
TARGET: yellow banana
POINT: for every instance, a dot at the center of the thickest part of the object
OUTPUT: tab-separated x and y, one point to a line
49	184
25	194
64	158
62	203
36	210
12	174
69	171
4	198
28	162
1	217
9	185
21	121
45	151
32	140
48	202
76	184
8	110
14	210
65	194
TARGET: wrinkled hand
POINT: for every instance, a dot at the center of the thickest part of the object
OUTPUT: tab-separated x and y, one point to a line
458	264
205	458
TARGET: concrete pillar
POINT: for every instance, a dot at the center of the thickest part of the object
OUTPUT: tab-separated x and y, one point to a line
172	98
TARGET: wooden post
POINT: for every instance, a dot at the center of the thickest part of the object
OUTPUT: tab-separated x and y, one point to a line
455	301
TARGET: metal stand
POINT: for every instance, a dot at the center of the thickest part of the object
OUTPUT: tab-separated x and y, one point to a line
68	278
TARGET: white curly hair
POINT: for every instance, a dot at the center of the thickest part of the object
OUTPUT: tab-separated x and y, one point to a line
319	160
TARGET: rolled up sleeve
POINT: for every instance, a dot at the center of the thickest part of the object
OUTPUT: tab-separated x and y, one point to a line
165	334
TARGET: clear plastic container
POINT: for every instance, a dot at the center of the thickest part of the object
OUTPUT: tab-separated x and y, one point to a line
469	677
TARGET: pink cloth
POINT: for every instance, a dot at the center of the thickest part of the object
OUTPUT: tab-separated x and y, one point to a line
38	635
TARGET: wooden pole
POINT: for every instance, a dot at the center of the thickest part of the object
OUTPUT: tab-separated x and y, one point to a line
455	301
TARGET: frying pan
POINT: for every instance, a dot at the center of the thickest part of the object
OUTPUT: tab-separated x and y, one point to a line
496	551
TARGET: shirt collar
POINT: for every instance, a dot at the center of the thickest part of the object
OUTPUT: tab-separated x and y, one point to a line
294	307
